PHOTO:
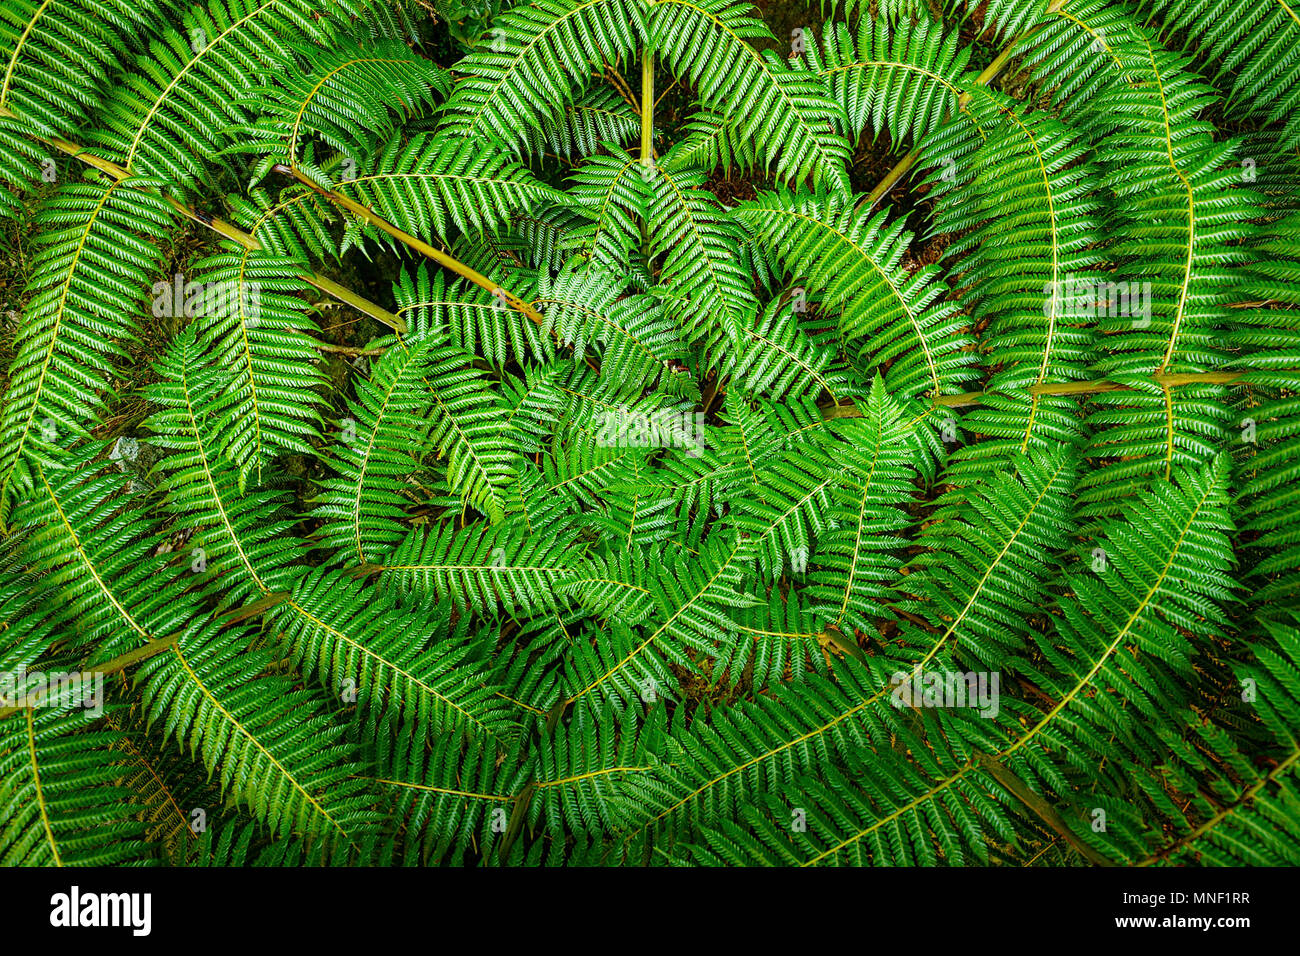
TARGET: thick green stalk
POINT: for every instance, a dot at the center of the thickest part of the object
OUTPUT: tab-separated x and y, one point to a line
225	229
1063	388
120	663
985	77
647	104
647	130
419	245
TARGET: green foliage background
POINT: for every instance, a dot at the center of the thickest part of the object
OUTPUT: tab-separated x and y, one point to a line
408	549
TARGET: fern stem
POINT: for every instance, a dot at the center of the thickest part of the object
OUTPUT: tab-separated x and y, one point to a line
122	662
1041	808
647	127
419	245
222	228
647	103
1224	813
616	80
361	304
983	79
349	349
1064	388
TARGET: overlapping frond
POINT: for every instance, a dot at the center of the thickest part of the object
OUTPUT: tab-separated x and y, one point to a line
166	117
890	317
88	285
1029	243
61	789
536	60
908	79
658	502
788	115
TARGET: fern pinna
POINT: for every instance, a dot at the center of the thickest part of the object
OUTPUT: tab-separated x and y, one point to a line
606	433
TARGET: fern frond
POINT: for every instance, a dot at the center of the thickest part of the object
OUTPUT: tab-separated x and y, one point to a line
788	115
906	78
853	259
1029	245
61	789
56	58
432	183
1250	48
348	97
264	740
364	508
1248	814
87	285
481	566
703	284
167	118
536	61
396	659
684	597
